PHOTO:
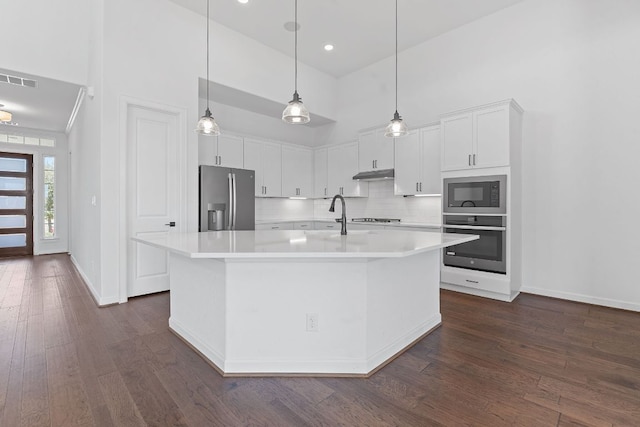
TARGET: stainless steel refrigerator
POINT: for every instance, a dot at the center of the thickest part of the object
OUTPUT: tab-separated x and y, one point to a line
227	200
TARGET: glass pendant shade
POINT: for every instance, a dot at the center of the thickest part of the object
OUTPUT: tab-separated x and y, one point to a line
207	125
295	111
396	127
6	116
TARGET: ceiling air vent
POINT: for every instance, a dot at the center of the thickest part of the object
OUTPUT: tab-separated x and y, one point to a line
4	78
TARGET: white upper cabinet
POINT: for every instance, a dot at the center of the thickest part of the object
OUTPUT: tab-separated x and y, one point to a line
375	151
223	150
417	162
320	173
479	137
297	167
342	163
265	159
230	151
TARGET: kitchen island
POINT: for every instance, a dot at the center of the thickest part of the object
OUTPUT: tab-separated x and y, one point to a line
303	302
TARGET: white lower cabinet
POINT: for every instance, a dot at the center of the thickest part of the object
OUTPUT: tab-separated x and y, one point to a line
275	226
303	225
326	225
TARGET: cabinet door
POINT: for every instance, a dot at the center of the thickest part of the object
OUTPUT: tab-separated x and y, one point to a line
230	151
320	172
407	164
342	166
491	139
272	169
430	181
207	150
335	166
375	151
253	161
457	141
296	172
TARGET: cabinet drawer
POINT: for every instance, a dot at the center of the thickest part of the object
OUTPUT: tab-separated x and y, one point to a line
304	225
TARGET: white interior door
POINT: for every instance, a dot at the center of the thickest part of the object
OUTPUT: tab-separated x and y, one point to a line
153	194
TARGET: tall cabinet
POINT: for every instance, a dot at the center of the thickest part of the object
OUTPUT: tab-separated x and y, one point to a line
479	141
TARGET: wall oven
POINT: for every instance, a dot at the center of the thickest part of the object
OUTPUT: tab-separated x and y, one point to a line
475	195
488	253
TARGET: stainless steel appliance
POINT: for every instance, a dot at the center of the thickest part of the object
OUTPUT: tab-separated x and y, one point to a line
488	253
475	195
227	199
375	220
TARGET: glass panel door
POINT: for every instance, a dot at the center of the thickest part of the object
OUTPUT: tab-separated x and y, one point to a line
16	204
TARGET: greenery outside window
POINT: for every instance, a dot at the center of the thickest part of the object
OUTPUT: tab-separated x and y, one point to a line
49	163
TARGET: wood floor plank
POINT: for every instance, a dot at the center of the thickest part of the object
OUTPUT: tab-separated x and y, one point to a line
121	406
35	396
535	361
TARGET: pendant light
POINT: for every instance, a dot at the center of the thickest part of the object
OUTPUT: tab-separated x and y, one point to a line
207	124
5	116
296	112
396	127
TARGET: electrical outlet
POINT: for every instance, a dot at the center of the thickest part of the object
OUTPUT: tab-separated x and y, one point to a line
312	322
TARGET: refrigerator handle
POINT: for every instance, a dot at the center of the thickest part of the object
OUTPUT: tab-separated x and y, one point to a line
230	224
235	200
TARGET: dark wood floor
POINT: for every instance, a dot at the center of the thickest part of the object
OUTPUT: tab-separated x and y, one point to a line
536	361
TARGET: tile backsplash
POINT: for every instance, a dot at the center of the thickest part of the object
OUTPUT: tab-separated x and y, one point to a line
381	203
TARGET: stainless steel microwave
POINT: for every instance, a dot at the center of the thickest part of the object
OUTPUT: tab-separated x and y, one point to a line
475	195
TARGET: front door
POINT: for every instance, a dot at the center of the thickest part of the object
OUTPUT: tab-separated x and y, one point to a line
153	194
16	204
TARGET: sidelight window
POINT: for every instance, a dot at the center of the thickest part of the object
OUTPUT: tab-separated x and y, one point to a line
49	216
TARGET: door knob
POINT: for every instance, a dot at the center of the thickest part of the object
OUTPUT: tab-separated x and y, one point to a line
171	224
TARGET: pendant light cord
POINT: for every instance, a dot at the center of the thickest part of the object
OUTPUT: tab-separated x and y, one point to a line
296	45
396	56
208	1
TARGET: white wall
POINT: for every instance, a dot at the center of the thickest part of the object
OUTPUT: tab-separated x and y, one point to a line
573	66
46	38
160	60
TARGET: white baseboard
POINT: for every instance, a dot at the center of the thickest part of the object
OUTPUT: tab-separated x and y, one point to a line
96	297
479	292
390	351
606	302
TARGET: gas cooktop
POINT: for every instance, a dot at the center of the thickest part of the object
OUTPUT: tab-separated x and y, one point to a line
375	220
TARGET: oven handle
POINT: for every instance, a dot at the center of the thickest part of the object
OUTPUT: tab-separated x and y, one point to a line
474	227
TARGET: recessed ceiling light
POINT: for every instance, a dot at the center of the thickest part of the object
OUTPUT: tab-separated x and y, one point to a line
243	1
328	47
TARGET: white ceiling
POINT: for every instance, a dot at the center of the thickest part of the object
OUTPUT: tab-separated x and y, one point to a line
361	30
45	107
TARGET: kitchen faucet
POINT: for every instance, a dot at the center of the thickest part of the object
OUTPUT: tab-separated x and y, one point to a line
332	208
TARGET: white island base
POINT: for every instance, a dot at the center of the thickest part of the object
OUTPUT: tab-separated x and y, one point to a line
250	317
305	311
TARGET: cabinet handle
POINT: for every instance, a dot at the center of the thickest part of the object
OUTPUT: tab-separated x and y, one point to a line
474	160
417	186
420	187
469	159
219	160
373	164
325	191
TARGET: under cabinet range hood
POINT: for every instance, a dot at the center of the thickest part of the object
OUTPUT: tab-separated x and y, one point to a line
375	175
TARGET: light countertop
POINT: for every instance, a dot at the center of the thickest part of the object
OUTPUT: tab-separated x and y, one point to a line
349	221
303	244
